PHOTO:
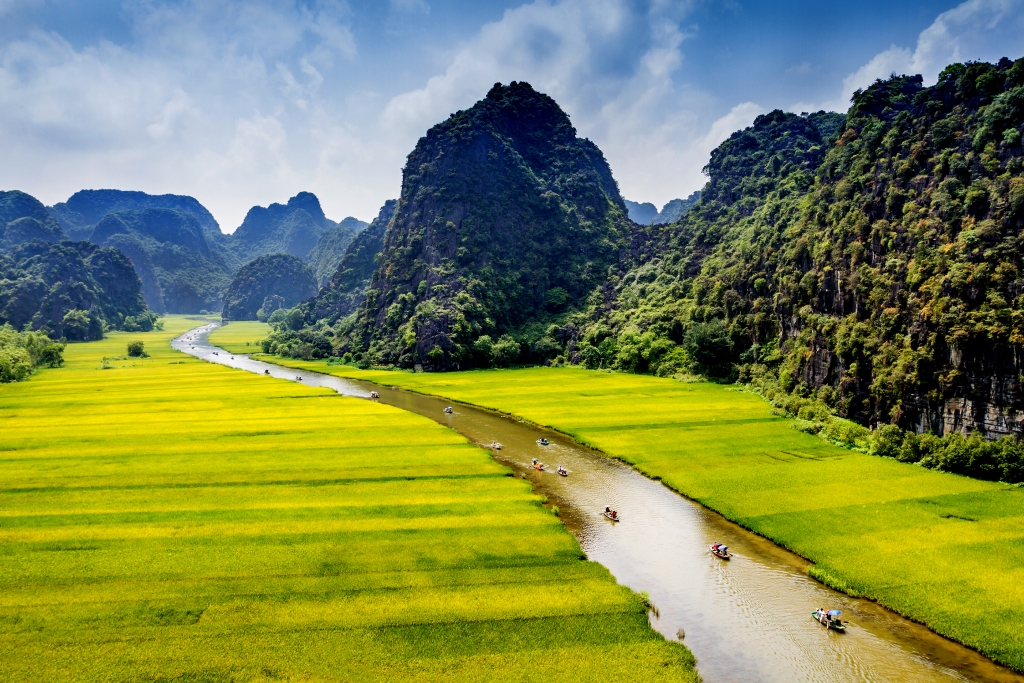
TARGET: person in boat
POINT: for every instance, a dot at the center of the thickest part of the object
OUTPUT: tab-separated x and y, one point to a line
607	510
561	470
615	515
266	372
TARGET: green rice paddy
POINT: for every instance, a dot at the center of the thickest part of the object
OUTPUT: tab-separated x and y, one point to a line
240	336
942	549
167	519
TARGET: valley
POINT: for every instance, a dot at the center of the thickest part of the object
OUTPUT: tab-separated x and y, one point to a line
219	526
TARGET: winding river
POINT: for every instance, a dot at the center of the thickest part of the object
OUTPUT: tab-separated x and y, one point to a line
745	620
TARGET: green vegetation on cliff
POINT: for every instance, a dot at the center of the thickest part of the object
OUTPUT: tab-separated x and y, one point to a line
505	217
345	293
873	261
180	272
332	247
24	218
71	290
267	284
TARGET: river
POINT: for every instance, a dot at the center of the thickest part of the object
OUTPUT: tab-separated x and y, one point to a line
748	619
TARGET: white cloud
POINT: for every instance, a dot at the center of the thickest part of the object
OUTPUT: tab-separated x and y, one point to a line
214	98
973	30
649	128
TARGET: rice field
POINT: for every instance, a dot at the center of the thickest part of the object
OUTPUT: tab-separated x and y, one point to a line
240	336
942	549
165	519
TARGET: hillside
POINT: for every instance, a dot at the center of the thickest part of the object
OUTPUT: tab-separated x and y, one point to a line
505	217
293	228
24	218
70	290
85	208
345	292
179	270
875	264
331	248
266	284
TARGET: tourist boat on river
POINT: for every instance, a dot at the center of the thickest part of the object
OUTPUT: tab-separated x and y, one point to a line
829	619
495	445
611	514
448	410
542	441
719	550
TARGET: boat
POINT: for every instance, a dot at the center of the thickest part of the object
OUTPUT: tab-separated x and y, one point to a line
449	410
374	394
829	619
542	441
298	378
495	445
612	516
266	372
562	472
719	550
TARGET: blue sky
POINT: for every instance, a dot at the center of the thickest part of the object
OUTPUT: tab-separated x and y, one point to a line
243	103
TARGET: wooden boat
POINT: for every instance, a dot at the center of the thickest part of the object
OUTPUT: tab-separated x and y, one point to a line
542	441
495	445
720	551
616	518
539	466
830	620
374	394
449	410
298	378
562	473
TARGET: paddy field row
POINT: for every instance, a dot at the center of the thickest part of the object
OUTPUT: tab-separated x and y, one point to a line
165	519
942	549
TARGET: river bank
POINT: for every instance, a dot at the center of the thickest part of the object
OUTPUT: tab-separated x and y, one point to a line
165	519
744	621
944	550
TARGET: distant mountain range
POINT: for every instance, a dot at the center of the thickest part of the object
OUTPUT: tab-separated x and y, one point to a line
648	214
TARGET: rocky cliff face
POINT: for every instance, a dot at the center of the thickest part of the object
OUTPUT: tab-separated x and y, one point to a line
345	293
505	215
874	260
253	289
180	272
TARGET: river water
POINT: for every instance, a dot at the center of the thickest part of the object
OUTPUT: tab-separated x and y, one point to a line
746	620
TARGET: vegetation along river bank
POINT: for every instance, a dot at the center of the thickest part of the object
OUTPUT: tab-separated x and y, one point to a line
941	549
164	519
745	619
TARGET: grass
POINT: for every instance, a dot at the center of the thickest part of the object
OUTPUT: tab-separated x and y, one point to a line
942	549
240	336
172	520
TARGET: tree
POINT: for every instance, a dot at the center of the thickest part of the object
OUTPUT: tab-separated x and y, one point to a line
710	347
137	349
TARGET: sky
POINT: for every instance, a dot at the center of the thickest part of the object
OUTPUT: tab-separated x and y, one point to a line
243	103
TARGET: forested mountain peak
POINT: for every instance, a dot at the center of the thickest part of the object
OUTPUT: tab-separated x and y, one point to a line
85	208
293	228
24	218
505	217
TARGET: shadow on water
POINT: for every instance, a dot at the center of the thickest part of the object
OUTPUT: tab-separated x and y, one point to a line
747	619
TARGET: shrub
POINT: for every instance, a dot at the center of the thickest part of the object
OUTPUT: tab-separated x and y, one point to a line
505	351
710	347
21	352
137	349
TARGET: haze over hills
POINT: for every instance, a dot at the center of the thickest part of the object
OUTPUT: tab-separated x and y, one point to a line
648	214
